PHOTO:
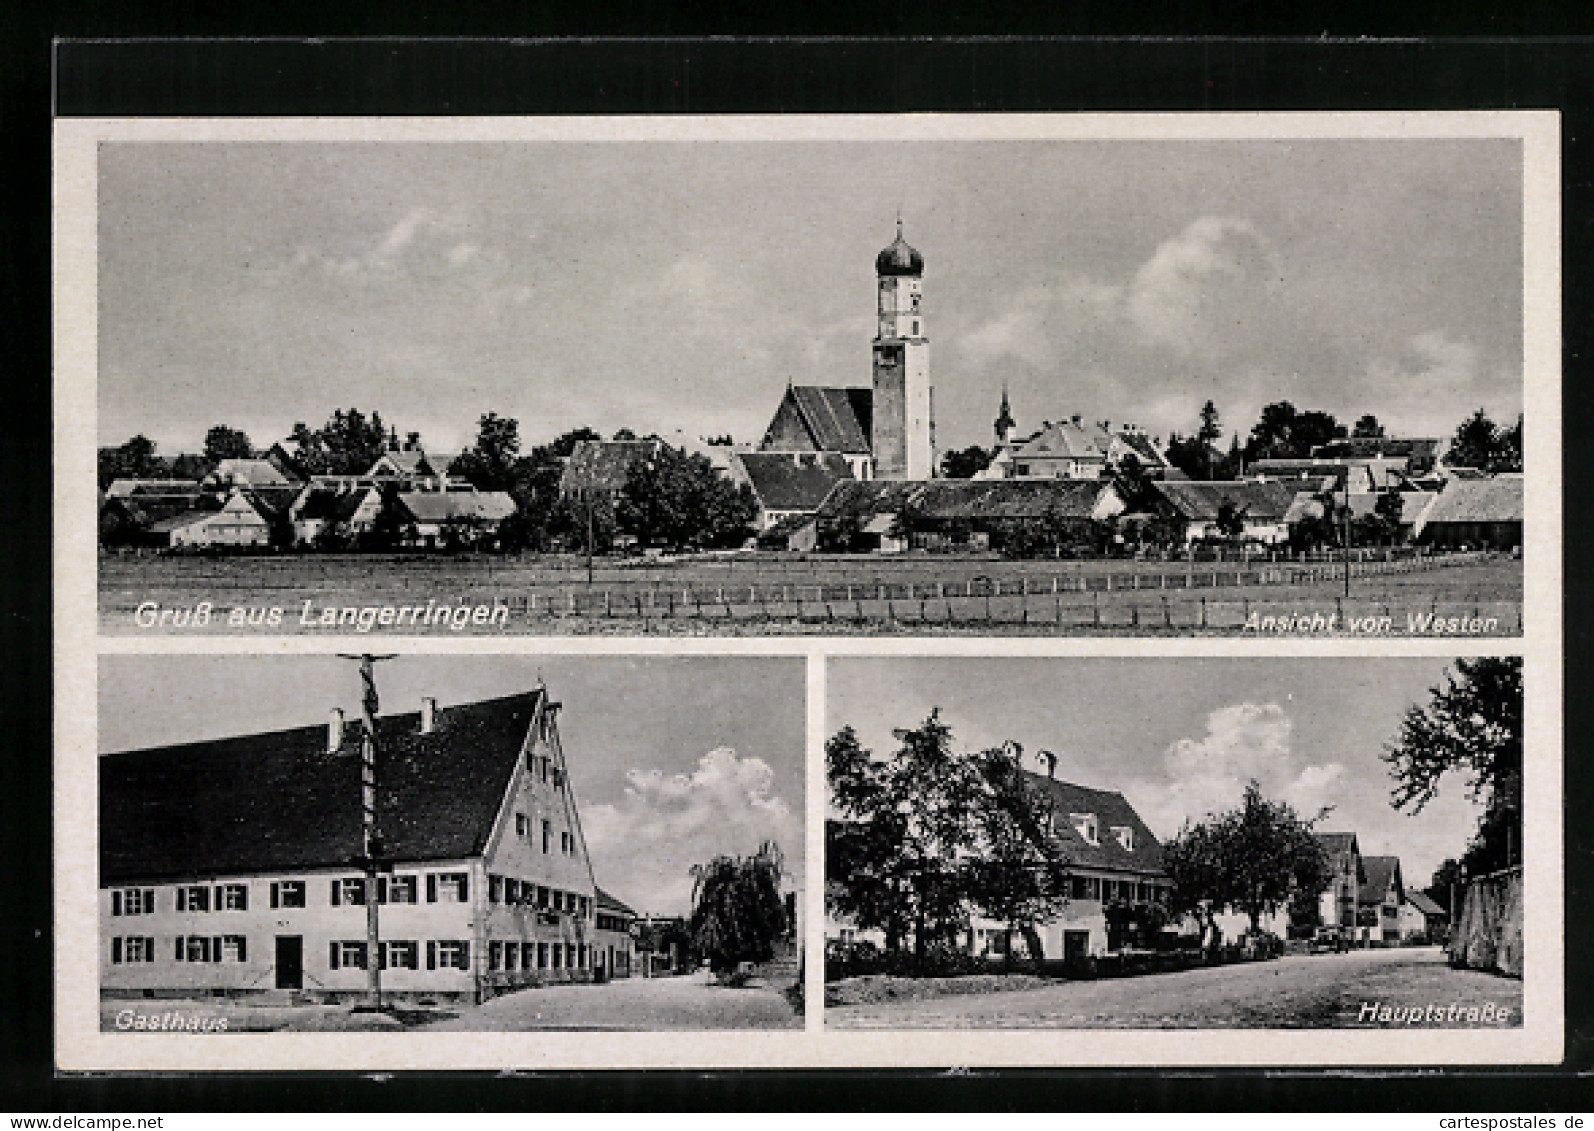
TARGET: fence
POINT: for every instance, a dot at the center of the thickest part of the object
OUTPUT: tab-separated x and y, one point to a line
1488	935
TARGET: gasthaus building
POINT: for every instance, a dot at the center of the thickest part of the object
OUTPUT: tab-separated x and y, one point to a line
234	866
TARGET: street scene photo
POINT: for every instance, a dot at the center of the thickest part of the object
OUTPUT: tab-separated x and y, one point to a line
475	843
920	386
1201	843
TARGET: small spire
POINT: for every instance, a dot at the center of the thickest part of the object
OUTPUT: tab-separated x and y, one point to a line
899	223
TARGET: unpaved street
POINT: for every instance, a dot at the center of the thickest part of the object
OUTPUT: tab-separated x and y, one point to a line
689	1002
1308	991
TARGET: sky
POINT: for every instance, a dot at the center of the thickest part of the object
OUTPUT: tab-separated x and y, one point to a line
673	760
1179	738
676	287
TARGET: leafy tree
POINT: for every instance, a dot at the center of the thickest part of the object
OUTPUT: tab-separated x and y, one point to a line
490	463
1471	726
965	463
1478	443
1014	874
1251	859
1133	484
566	443
135	459
222	442
737	911
351	442
1230	520
1367	427
677	499
1442	887
625	434
1284	432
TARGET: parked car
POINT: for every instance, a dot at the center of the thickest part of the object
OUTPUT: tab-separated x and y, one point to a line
1329	939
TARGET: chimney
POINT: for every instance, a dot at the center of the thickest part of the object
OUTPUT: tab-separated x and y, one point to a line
335	731
428	715
1050	760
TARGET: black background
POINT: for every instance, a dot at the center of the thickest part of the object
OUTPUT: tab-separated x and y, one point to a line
541	76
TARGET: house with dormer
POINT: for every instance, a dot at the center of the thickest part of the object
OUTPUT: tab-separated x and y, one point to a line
232	866
1110	861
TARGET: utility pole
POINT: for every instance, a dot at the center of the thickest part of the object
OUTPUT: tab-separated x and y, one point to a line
1345	525
371	835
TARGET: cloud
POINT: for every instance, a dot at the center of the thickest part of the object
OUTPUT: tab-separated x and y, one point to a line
644	845
1178	297
1208	774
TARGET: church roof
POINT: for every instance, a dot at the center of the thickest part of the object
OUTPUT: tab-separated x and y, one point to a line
838	418
280	802
899	258
793	481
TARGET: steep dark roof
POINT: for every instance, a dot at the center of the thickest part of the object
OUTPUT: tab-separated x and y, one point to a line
332	505
1368	447
607	902
1422	903
279	802
1201	500
793	481
1111	811
966	498
1381	872
604	465
838	418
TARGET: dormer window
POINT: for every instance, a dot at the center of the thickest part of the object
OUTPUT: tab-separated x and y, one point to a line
1125	835
1085	825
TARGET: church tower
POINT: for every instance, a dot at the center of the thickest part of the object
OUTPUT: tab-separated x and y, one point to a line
902	429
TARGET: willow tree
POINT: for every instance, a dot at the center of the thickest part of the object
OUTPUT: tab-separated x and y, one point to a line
737	912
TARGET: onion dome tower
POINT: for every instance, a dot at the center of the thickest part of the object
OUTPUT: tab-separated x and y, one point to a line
902	428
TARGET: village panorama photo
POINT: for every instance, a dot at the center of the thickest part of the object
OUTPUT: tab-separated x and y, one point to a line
1211	844
378	844
998	376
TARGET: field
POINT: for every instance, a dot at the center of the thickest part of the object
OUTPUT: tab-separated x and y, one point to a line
767	594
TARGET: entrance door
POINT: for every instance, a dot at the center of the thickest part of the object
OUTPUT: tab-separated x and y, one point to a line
290	962
1076	944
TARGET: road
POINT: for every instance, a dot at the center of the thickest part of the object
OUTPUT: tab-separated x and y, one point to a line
642	1004
1308	991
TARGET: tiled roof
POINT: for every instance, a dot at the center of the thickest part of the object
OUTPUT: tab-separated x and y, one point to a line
1111	810
1381	872
607	902
966	498
179	521
254	472
456	506
279	802
1369	447
408	463
1066	440
604	465
331	505
1422	903
793	481
1496	499
1143	448
135	488
1200	501
838	418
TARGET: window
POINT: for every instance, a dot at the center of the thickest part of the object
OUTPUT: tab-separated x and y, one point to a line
346	955
447	954
133	948
915	327
399	954
542	897
287	893
396	889
511	956
232	897
1126	837
547	833
195	897
522	825
564	842
495	889
234	948
511	891
350	891
197	948
133	901
495	955
542	956
1085	825
448	887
